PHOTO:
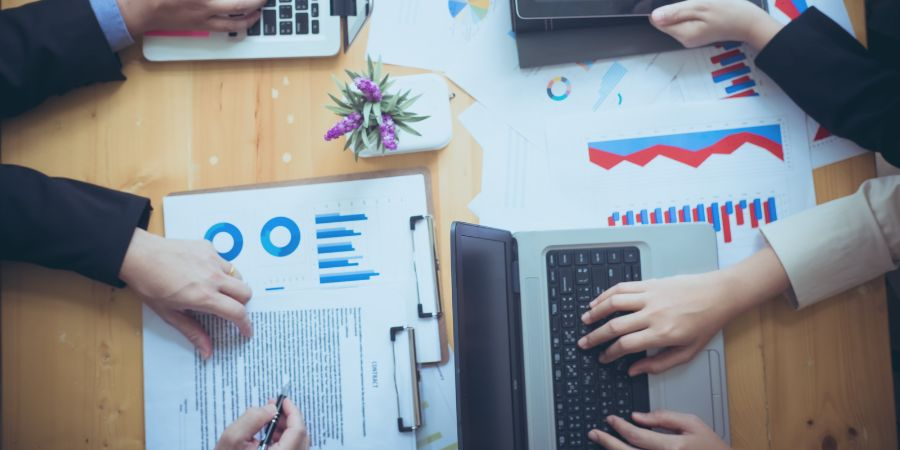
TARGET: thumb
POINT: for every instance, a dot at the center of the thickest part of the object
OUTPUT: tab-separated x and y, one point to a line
669	420
674	13
246	426
662	361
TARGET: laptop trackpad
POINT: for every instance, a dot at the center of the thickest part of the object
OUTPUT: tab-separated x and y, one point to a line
694	388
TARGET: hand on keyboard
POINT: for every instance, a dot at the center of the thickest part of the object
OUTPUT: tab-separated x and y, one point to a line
691	433
679	314
141	16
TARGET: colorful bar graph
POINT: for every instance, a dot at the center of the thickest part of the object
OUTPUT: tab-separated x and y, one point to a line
730	72
338	218
723	216
730	66
728	45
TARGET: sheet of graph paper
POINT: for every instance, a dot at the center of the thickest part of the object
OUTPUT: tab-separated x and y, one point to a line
331	271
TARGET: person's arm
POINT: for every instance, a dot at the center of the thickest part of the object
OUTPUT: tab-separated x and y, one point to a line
48	48
685	432
812	55
290	432
811	256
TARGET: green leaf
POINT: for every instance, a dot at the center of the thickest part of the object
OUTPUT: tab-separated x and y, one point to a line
414	118
338	110
367	111
409	102
376	107
340	84
353	75
365	139
407	128
384	81
339	102
378	66
370	66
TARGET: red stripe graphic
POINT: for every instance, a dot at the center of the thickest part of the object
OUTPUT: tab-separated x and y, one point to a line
726	225
726	146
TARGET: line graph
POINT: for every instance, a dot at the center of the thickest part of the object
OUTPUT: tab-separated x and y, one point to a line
691	148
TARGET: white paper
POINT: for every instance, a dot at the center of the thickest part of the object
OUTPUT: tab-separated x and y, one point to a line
756	149
330	279
827	148
429	34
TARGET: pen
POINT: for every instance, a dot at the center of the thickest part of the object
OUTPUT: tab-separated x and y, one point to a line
270	428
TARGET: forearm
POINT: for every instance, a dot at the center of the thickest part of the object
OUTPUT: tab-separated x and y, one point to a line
754	281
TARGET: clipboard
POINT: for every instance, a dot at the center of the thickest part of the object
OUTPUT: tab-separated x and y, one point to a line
417	334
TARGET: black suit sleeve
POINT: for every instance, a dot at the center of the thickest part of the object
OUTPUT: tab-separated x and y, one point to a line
67	224
837	81
48	48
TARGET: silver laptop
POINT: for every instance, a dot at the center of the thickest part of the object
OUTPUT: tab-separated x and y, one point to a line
522	382
286	29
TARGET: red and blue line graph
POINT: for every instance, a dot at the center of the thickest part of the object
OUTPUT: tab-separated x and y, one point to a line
337	249
723	216
791	8
692	148
732	70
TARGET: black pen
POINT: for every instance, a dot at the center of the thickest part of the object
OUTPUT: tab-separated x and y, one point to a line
270	428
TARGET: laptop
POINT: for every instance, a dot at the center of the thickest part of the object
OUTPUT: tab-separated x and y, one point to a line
522	382
286	29
552	32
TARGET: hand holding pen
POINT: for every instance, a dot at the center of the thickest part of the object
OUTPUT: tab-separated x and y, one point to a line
288	433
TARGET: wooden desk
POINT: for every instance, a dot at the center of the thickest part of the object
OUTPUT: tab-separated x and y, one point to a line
71	349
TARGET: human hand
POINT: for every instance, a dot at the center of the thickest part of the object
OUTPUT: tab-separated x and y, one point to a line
141	16
290	432
692	434
680	314
699	22
177	276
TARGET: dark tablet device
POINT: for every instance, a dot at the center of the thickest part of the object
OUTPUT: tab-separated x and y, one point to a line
572	9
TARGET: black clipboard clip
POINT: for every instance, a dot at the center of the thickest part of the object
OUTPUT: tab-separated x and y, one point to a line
432	247
414	378
353	14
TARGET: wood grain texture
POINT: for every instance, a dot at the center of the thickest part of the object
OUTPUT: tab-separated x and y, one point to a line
71	349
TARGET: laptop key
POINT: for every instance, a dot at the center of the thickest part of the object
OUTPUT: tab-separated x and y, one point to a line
314	11
255	29
315	27
582	257
285	12
614	256
270	3
553	276
614	273
631	255
566	283
286	28
636	272
302	23
269	22
582	275
565	258
301	5
551	259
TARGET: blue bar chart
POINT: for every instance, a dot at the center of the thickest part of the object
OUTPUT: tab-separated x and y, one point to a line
339	241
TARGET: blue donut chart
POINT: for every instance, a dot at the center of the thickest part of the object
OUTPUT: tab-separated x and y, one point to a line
225	227
266	238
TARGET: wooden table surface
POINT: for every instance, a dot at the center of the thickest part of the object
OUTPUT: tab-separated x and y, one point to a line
71	348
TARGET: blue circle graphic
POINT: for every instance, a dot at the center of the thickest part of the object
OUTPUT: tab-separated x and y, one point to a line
225	227
266	238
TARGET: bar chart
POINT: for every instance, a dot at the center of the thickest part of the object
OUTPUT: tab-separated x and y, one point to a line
731	70
339	238
724	216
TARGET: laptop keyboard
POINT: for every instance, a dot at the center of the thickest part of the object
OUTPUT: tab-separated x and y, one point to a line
287	18
585	391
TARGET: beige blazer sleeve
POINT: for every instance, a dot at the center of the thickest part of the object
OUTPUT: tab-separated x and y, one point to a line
840	244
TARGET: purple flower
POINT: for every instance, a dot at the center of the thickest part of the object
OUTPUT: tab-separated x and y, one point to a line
346	125
369	89
388	132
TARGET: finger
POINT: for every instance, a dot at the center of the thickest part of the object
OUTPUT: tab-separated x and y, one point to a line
229	7
607	441
228	309
232	25
615	303
675	13
690	33
669	420
630	287
236	289
190	328
245	427
630	343
638	437
295	435
619	326
662	361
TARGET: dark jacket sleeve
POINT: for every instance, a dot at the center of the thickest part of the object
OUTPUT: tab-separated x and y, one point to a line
67	224
48	48
837	81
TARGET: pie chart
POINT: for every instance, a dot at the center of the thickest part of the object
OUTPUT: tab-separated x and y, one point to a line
478	8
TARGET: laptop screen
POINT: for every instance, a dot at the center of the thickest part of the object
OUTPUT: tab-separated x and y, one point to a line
485	333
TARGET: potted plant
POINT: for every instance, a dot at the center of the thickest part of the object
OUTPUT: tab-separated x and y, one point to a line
370	115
